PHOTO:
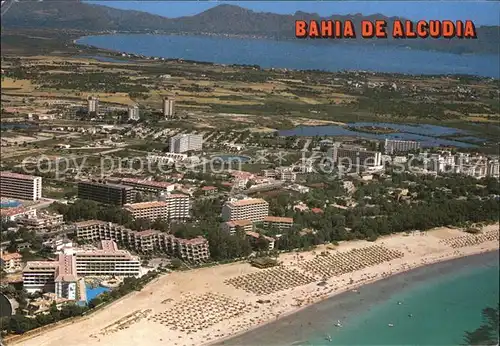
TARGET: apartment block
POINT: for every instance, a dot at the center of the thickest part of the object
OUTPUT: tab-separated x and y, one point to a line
179	206
280	223
22	186
395	146
41	221
11	262
186	142
253	209
107	261
148	210
355	157
106	193
133	113
254	237
52	276
168	107
195	250
230	227
92	104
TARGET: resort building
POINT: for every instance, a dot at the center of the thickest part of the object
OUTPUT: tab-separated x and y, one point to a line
22	186
286	174
168	107
41	221
167	158
280	223
52	276
11	262
106	193
230	227
355	157
133	113
148	210
186	142
493	168
194	250
179	206
253	209
92	105
14	214
107	261
394	146
148	185
254	238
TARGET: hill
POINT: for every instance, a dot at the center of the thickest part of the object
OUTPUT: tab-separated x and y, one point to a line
222	19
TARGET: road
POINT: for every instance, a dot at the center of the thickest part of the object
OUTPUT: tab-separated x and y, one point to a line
6	6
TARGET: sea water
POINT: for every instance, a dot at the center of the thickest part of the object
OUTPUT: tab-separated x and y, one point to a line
435	312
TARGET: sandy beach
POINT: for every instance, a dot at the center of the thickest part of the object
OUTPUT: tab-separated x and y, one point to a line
205	306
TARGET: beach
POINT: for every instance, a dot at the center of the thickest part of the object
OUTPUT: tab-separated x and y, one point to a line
220	304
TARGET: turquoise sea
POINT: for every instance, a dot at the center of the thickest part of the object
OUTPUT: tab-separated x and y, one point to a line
442	308
444	300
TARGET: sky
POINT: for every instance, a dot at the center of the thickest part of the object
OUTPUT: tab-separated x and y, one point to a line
481	12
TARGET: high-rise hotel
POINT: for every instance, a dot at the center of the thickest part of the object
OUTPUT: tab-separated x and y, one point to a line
15	185
253	209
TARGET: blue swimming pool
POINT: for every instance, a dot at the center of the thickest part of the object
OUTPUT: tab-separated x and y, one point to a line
94	292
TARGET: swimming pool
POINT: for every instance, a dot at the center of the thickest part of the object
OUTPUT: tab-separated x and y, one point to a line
93	292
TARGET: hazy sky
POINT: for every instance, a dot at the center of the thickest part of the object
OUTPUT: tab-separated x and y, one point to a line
481	12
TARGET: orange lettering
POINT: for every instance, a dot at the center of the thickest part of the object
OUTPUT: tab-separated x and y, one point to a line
367	29
300	28
349	30
422	29
397	30
470	30
448	29
380	26
409	30
326	28
313	29
435	28
460	27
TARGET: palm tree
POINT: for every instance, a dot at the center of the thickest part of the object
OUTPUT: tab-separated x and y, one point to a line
487	333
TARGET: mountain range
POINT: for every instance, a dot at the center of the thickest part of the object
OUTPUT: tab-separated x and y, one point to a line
220	20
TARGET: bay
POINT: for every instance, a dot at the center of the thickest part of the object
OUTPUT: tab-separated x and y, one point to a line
299	55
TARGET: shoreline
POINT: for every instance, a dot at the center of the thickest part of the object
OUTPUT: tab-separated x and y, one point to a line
339	296
173	302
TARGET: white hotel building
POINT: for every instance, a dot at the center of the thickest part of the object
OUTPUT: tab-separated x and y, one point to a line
25	187
148	210
186	142
253	209
107	261
61	276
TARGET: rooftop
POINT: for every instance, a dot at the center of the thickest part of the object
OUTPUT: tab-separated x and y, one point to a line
145	205
278	219
248	201
87	223
108	245
208	188
152	183
10	256
67	269
17	176
13	211
117	186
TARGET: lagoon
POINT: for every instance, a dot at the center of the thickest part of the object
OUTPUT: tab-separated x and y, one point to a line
299	55
427	134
